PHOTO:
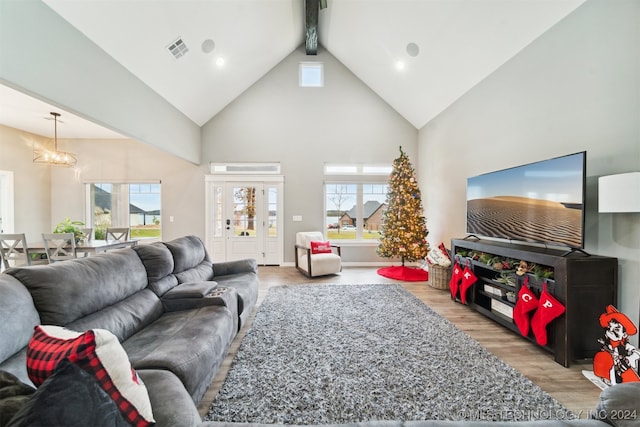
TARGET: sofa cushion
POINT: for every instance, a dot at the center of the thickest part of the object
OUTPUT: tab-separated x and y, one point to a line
18	317
165	387
190	343
246	285
124	318
158	261
92	284
618	405
99	353
188	252
191	290
69	397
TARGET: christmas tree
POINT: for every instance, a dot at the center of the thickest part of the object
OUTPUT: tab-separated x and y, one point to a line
404	228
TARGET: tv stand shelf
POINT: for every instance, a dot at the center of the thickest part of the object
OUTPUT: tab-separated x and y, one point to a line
584	284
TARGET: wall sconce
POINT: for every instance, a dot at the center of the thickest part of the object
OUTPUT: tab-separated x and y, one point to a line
619	193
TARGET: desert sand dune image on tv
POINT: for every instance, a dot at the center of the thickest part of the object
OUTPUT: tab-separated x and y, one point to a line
541	202
525	219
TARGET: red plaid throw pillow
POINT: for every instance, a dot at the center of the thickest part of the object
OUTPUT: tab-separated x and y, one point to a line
99	353
320	247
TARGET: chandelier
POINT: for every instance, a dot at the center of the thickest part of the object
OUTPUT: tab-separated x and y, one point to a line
54	157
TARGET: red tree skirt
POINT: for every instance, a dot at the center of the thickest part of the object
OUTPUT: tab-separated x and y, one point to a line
406	274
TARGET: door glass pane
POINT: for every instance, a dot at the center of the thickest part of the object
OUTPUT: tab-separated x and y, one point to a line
218	213
244	211
272	206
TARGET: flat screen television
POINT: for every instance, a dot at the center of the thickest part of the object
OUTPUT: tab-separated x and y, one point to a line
541	202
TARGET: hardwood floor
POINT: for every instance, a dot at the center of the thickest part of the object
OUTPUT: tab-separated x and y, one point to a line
567	385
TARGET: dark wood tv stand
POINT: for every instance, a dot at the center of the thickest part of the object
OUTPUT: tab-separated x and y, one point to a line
584	284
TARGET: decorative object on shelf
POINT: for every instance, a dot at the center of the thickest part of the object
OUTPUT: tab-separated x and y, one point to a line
404	231
619	193
54	156
617	361
548	309
522	268
68	226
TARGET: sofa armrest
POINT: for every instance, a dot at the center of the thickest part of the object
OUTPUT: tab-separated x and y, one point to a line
619	405
248	265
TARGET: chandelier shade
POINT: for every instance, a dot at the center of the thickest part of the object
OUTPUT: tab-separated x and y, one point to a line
54	156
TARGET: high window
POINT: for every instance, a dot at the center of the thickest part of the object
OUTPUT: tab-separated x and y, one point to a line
355	201
134	205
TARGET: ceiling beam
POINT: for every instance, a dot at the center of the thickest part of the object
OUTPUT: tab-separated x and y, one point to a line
311	12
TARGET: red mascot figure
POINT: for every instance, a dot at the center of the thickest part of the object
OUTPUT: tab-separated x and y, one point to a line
617	361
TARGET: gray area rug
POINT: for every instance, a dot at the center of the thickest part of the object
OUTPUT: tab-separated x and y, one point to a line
319	354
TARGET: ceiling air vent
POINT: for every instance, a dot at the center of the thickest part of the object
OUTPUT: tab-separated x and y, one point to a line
178	48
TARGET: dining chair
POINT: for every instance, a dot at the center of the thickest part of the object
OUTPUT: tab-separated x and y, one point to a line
120	234
59	246
87	233
14	250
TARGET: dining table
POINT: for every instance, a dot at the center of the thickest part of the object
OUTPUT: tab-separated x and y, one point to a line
88	247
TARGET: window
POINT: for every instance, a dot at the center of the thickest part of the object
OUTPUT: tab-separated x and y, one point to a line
354	207
311	74
133	205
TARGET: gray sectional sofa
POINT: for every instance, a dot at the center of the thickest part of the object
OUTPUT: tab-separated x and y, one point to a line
173	310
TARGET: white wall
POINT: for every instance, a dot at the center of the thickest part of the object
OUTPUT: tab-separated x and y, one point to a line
32	183
128	160
303	128
575	88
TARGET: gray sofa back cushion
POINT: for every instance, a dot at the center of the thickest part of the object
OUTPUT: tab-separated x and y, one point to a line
18	314
191	260
188	253
124	318
158	261
70	290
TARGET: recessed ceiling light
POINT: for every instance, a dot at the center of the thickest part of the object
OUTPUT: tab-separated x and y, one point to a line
208	45
400	65
413	49
220	62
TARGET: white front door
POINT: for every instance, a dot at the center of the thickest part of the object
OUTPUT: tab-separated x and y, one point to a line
244	219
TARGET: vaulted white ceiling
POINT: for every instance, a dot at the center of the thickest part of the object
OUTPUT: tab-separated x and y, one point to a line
233	43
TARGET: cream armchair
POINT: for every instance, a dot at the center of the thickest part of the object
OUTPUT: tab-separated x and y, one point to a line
327	261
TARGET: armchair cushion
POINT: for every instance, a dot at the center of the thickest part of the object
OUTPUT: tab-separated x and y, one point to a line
320	247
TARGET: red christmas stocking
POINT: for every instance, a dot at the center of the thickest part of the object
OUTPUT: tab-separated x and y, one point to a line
549	308
456	275
526	303
468	279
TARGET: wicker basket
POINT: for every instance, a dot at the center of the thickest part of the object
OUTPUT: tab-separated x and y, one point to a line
439	276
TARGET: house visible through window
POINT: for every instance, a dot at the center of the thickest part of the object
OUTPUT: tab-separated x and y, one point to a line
133	205
354	206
